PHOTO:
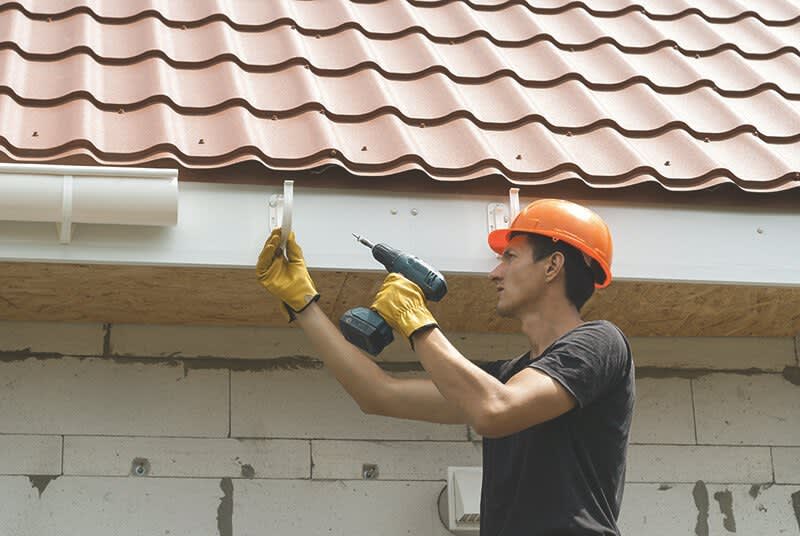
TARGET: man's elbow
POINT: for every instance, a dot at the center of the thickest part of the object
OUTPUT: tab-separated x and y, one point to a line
488	423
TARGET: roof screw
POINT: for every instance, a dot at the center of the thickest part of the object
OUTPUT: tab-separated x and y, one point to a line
706	139
519	157
35	134
571	49
666	163
760	230
274	117
201	141
49	19
569	133
414	212
305	66
120	111
393	212
333	152
422	125
675	47
755	133
316	36
183	26
697	56
364	148
294	27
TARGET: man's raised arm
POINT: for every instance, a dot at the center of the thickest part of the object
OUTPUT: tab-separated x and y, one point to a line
375	391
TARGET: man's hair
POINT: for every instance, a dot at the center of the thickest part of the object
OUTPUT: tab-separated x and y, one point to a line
579	276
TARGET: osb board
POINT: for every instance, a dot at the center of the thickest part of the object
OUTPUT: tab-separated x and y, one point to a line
217	296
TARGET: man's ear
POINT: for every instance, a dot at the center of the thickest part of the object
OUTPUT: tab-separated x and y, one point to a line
555	264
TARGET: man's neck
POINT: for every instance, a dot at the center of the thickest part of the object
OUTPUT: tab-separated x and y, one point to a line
544	328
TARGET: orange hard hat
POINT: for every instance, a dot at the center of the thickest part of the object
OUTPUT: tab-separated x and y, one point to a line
563	220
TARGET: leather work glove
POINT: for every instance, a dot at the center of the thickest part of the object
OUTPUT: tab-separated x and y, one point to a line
288	280
402	304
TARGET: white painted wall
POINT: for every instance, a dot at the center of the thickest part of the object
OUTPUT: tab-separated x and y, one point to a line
236	445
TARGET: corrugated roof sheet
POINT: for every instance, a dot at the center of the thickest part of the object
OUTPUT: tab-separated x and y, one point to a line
616	93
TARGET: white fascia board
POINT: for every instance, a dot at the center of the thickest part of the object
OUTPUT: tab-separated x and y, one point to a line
223	225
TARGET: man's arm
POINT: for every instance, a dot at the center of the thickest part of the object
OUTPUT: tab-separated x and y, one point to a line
375	391
494	409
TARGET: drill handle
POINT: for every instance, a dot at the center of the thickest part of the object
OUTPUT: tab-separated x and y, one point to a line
430	280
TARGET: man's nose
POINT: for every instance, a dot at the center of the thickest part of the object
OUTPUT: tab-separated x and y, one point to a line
494	275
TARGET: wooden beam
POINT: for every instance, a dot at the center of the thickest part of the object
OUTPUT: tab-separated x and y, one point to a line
218	296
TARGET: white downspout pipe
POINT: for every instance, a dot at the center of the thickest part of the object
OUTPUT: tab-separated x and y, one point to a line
66	195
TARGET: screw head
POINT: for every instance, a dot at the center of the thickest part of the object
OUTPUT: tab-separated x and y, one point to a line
369	471
140	467
414	212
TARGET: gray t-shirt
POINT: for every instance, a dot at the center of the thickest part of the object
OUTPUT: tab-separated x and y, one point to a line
565	476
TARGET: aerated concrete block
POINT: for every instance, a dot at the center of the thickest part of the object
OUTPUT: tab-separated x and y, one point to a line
52	337
394	460
184	457
96	396
663	411
741	409
311	404
30	454
678	463
339	508
118	506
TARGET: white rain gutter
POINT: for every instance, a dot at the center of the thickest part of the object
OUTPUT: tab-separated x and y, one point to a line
224	225
66	195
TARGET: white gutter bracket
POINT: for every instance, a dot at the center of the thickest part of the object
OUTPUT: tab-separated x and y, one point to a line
280	210
498	216
64	228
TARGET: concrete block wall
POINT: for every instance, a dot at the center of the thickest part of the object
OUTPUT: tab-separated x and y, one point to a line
168	430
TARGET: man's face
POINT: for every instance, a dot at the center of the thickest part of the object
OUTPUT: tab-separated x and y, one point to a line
519	280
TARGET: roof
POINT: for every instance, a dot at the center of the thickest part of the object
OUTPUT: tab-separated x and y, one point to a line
614	94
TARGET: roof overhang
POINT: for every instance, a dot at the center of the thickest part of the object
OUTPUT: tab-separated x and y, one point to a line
225	225
678	271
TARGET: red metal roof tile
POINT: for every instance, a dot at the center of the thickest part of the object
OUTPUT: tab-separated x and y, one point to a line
617	93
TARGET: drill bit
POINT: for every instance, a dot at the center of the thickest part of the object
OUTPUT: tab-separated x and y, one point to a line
363	240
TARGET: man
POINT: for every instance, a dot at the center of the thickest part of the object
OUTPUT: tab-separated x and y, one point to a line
555	420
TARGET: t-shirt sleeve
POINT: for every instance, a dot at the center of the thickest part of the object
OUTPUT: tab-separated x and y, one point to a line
491	367
588	362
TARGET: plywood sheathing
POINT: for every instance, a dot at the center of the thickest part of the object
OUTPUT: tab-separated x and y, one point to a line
218	296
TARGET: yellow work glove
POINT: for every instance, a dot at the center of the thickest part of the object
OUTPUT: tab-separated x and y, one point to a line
402	304
288	280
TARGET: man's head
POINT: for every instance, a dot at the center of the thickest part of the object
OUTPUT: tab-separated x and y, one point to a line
535	268
554	249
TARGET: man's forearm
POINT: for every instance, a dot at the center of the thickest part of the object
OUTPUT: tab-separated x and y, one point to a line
460	381
361	377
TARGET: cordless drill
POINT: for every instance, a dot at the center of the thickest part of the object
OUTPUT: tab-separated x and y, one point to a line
364	327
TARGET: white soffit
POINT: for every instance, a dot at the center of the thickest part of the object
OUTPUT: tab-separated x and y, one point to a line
223	225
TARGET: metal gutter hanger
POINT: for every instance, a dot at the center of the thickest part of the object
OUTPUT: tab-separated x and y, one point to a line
280	210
